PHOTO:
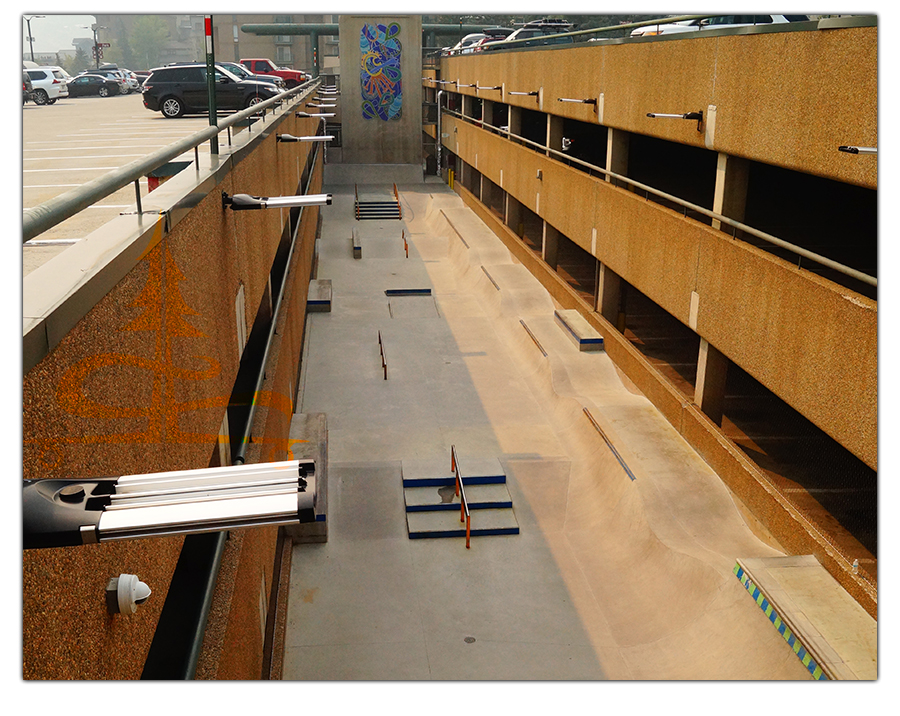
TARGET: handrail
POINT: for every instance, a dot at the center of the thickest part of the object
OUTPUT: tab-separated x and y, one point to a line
397	199
464	515
356	200
40	218
799	250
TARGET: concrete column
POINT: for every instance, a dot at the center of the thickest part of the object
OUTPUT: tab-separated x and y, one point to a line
487	111
609	296
712	371
730	197
515	120
514	215
550	246
554	132
469	106
617	141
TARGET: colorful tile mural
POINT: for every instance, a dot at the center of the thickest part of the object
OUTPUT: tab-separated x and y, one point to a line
382	91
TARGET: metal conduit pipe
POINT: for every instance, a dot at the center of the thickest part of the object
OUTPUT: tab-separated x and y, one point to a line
799	250
45	216
175	650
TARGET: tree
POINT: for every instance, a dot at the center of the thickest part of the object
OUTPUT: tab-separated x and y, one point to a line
78	63
148	34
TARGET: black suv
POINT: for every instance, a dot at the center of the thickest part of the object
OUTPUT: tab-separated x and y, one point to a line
182	89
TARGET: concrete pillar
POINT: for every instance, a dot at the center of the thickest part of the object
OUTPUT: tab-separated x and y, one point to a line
515	120
617	141
550	246
469	106
487	111
514	215
730	197
554	132
609	296
712	371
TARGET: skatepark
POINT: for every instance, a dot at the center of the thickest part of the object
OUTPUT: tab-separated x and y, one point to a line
624	563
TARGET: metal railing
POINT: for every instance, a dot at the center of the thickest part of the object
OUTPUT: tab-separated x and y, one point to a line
45	216
464	515
686	205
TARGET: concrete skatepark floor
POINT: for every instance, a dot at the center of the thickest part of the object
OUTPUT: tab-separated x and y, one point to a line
609	578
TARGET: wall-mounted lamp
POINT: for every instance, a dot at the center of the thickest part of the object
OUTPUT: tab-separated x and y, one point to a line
688	115
320	106
488	88
73	512
460	84
312	114
525	94
243	202
315	138
540	175
859	150
577	101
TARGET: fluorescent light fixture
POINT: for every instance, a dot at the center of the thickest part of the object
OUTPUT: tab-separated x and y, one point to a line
859	150
315	138
577	101
312	114
525	94
244	202
698	116
71	512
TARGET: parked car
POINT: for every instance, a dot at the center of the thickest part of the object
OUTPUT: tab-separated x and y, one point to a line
291	78
49	84
536	30
464	46
719	22
87	85
114	75
176	90
27	89
492	34
243	73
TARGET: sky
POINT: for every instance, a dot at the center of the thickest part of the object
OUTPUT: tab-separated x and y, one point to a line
52	33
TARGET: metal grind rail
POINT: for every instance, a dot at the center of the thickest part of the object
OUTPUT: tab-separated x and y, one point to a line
384	366
397	199
686	205
464	515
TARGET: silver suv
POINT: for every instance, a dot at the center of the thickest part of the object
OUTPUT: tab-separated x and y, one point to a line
49	84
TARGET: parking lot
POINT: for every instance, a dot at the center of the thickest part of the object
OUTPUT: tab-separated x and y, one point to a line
78	139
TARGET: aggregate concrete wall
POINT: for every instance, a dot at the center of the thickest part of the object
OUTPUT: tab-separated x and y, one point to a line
788	99
381	134
811	342
141	384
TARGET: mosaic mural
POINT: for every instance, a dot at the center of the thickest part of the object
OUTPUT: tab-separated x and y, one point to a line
382	91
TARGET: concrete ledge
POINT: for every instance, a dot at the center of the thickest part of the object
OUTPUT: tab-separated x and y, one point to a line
829	632
585	337
357	244
318	299
309	440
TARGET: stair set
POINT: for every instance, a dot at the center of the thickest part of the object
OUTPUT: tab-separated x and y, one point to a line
378	206
433	505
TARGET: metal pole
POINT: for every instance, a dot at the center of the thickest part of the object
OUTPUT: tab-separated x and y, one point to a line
211	83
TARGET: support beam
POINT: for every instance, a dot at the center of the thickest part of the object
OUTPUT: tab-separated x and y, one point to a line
712	372
730	198
550	246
